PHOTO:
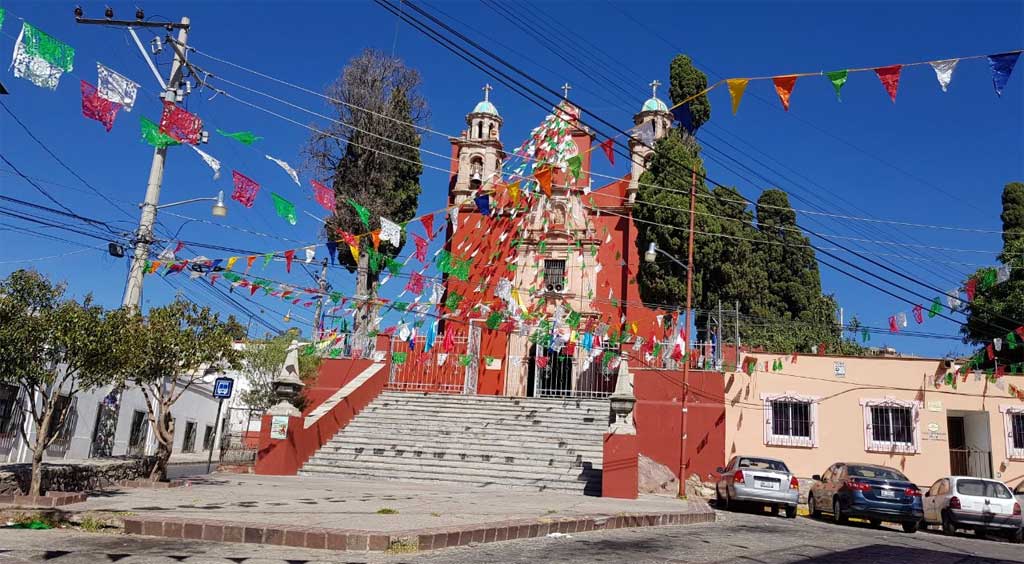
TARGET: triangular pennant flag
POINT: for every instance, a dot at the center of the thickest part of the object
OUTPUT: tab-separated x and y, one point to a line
245	189
483	204
364	214
287	168
428	225
543	177
288	257
575	162
1002	66
284	208
209	160
375	237
684	116
608	146
98	108
890	77
944	71
838	79
244	137
784	88
737	86
513	192
354	249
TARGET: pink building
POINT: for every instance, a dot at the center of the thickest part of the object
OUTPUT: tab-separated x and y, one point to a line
892	411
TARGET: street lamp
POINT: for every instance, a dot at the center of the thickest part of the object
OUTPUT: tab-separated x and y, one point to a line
651	253
218	209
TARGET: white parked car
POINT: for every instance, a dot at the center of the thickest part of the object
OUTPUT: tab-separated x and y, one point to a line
1019	493
977	504
759	480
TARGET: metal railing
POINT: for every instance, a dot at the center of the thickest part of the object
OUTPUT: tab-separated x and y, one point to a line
437	370
582	374
970	462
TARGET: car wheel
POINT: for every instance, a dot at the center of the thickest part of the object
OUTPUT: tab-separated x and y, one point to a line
947	525
910	527
1016	537
719	503
812	508
981	532
876	523
790	512
837	512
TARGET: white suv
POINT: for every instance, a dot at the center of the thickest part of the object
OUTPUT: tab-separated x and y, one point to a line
978	504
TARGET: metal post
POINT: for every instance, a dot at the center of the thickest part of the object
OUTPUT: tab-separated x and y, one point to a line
218	430
718	333
322	282
144	236
686	359
737	335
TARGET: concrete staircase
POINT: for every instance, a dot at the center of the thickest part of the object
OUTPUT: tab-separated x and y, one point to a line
540	444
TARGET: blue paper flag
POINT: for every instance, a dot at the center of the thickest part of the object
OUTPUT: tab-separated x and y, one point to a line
431	337
332	249
1002	66
483	203
684	117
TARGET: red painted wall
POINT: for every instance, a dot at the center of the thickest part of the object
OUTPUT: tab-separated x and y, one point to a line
657	418
286	456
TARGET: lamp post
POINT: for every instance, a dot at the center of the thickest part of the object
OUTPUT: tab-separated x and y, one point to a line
649	256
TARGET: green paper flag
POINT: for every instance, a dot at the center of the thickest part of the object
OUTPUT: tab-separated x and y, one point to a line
152	135
444	262
935	309
838	79
573	320
461	269
398	357
574	166
393	266
285	209
1011	340
245	137
401	306
41	45
988	278
465	359
2	13
494	320
865	335
452	303
364	214
335	353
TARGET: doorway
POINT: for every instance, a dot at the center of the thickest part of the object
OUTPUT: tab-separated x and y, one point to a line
970	443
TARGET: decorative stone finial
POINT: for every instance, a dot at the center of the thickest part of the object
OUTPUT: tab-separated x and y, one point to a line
622	402
287	384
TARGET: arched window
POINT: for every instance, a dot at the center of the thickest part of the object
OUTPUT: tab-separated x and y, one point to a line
479	129
490	131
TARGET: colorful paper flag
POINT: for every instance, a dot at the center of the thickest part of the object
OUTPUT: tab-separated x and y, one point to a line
98	108
289	256
784	88
543	176
944	71
890	77
737	86
684	116
421	248
40	58
209	160
181	125
112	86
323	195
245	137
285	209
608	146
245	189
287	168
428	225
483	204
1002	65
838	79
152	135
364	214
575	162
390	232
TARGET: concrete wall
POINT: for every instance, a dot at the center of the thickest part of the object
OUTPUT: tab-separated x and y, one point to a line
840	424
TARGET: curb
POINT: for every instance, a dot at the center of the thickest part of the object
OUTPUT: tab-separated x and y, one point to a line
410	540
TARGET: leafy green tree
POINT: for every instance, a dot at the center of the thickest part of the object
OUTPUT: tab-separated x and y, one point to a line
262	362
686	80
170	350
52	348
371	156
998	309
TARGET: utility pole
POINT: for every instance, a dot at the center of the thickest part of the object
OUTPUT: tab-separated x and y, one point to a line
718	331
686	357
737	335
322	282
144	235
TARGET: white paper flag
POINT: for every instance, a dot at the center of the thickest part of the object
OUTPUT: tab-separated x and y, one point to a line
310	253
454	213
997	344
901	319
287	168
210	161
944	71
112	86
36	70
442	358
953	299
1003	273
390	231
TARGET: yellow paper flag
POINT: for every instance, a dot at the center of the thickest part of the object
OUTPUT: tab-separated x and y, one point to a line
513	192
231	263
736	88
355	249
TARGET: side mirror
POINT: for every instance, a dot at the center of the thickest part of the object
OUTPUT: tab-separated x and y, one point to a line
720	470
816	477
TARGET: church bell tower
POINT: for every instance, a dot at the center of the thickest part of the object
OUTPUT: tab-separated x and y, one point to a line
478	151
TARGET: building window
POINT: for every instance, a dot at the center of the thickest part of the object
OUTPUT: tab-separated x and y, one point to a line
208	438
1013	421
790	420
554	275
891	426
137	437
188	443
8	399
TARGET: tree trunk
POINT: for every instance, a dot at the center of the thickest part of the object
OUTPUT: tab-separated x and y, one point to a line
164	444
363	322
42	430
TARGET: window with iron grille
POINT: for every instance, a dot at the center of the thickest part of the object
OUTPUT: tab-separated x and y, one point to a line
208	438
790	420
188	443
8	400
137	436
1017	429
554	272
890	425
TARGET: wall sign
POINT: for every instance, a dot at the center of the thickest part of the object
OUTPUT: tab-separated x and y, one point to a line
222	387
839	368
934	405
278	427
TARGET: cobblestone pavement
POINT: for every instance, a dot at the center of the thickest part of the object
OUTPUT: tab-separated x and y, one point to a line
736	537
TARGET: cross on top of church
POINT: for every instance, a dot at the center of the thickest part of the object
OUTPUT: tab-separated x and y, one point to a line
565	90
487	91
654	88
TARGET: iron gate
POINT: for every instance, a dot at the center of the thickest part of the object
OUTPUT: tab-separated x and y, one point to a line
573	373
437	370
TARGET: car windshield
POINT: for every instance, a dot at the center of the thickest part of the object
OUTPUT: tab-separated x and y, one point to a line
763	464
875	472
982	488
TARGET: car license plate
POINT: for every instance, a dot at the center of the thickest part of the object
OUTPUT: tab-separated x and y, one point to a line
766	485
888	494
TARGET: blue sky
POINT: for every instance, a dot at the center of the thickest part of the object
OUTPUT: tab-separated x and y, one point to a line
930	158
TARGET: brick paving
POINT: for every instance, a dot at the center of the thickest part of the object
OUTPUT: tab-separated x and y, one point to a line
50	500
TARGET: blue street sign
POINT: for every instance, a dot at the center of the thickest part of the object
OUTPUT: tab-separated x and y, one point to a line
222	387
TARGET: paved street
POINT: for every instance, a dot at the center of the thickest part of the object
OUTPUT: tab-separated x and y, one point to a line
736	537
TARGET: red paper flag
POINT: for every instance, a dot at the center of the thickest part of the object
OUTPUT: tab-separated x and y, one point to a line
288	256
890	77
784	87
248	263
348	238
245	189
971	287
991	351
98	108
543	177
919	314
324	195
180	125
428	224
821	349
793	360
609	149
179	247
421	247
893	326
1019	331
542	362
448	343
415	284
252	289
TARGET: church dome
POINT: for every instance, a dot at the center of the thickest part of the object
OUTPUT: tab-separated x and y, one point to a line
486	107
654	105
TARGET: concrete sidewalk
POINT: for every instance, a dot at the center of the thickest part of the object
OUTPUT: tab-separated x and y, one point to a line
371	515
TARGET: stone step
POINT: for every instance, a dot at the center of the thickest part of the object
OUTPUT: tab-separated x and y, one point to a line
591	487
465	468
532	456
433	445
470	432
469	399
426	438
457	410
462	472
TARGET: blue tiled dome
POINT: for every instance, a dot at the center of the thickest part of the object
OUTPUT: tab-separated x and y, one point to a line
485	107
654	105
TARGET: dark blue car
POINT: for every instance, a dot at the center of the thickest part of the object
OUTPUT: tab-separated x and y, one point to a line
867	491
